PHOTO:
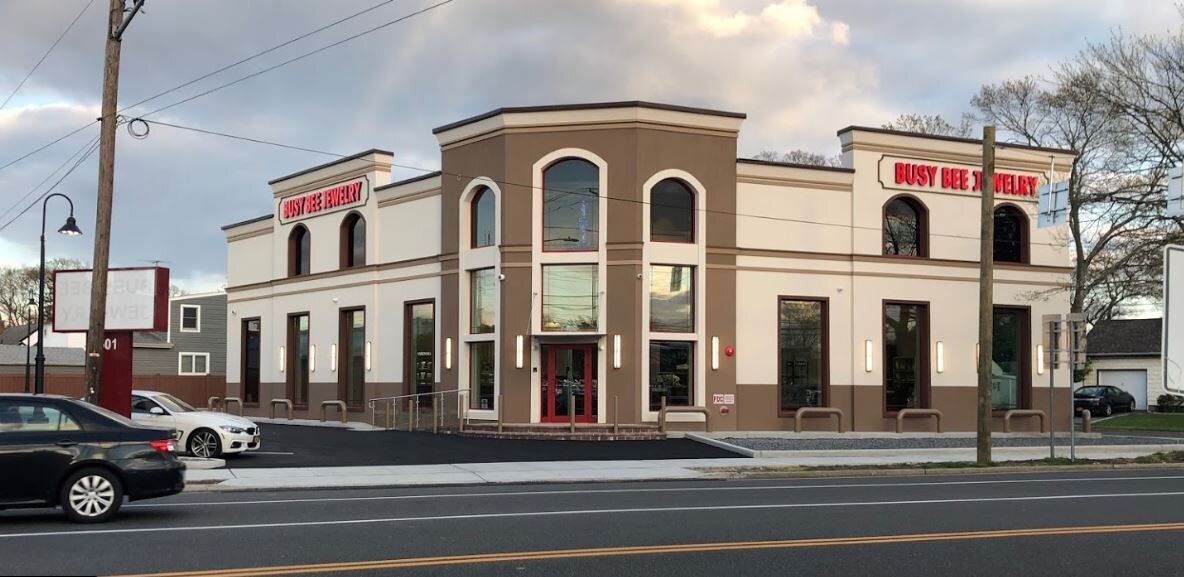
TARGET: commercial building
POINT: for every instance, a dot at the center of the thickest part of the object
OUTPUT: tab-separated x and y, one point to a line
622	252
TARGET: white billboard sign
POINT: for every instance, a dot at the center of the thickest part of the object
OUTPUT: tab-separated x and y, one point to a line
134	298
1173	319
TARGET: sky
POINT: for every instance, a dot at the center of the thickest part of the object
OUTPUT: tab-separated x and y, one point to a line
800	70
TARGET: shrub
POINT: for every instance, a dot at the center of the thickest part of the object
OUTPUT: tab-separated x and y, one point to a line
1168	403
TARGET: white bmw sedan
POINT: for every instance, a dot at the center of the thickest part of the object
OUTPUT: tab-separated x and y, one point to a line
204	434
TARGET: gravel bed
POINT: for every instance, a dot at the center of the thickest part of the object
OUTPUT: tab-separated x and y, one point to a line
768	444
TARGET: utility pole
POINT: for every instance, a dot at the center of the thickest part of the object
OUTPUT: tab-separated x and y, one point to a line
116	25
986	296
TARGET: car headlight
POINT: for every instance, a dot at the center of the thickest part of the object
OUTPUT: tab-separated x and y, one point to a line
233	429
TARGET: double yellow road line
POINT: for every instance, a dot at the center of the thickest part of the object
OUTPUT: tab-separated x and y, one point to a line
411	562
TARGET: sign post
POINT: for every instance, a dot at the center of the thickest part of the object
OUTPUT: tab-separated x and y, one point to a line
115	394
1052	347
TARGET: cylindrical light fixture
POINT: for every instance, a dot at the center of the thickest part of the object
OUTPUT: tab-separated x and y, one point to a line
518	353
977	353
312	358
616	351
367	354
715	353
1040	359
333	357
283	359
867	355
448	353
941	357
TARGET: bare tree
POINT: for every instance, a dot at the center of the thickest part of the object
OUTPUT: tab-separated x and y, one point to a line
932	124
19	284
799	156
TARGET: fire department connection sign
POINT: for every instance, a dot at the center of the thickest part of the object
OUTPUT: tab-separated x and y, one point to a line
137	300
340	196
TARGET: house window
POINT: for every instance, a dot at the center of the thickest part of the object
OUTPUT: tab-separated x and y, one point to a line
571	206
672	373
420	333
571	297
802	353
353	241
1010	375
298	359
906	356
299	249
484	216
483	301
1011	235
351	383
905	228
190	318
672	212
672	299
194	364
481	375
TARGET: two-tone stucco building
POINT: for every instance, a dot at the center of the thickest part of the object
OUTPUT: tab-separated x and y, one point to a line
622	253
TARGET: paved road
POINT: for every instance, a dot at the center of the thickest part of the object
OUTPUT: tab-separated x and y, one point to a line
1111	523
297	446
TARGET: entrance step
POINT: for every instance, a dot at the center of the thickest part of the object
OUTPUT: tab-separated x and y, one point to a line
562	432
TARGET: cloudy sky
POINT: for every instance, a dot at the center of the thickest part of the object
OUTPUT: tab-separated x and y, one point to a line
800	69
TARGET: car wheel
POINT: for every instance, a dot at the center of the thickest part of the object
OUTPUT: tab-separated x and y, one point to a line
91	496
1131	408
204	443
1109	410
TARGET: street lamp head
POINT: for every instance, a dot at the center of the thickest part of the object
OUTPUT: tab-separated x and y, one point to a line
70	228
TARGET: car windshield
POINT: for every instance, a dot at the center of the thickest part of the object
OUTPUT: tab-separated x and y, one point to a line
118	418
173	404
1090	392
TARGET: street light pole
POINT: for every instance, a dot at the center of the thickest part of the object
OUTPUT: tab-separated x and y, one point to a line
68	229
32	304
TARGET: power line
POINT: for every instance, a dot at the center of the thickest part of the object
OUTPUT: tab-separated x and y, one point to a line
48	176
242	61
573	192
93	147
46	55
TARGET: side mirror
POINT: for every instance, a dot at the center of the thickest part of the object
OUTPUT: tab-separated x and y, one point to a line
156	411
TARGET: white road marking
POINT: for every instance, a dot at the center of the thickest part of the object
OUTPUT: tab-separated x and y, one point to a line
268	453
641	490
477	516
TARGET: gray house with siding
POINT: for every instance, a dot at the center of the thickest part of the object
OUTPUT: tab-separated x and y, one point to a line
195	344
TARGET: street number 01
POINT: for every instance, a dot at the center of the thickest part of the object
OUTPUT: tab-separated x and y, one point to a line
110	344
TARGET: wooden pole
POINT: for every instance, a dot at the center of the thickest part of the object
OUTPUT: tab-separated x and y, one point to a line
986	307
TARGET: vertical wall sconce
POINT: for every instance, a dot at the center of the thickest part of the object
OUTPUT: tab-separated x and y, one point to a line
867	355
1040	359
283	359
367	355
978	351
616	351
448	353
333	357
312	358
715	353
518	353
941	357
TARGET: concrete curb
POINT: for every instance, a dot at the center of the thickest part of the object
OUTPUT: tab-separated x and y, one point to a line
792	473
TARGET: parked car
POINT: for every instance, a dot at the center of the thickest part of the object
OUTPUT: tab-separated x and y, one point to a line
56	451
205	434
1102	400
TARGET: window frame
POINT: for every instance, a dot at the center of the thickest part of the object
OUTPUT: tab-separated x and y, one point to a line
297	253
924	371
474	395
543	208
291	362
694	270
408	360
473	316
479	195
347	257
922	212
1025	355
244	325
196	329
193	365
1023	225
690	190
824	383
344	329
691	372
543	299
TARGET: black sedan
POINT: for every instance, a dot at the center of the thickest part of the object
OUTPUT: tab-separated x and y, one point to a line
56	451
1102	400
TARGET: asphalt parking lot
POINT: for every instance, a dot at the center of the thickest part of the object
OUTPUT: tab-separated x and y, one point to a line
300	446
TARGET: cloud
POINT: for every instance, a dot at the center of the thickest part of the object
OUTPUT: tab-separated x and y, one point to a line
781	18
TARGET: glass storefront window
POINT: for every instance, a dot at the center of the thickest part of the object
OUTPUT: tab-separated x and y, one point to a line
906	356
298	359
1007	359
421	348
352	363
481	374
571	206
802	353
672	373
483	301
672	299
571	298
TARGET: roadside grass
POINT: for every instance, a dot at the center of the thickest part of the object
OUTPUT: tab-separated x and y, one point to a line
1156	458
1173	422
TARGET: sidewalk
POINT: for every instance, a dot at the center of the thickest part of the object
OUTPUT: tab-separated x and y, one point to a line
640	470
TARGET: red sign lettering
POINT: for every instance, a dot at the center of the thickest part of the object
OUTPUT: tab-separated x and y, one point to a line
312	203
959	178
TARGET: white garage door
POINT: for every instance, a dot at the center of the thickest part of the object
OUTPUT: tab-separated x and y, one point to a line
1133	382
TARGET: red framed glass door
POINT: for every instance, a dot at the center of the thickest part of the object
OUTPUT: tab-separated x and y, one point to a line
569	370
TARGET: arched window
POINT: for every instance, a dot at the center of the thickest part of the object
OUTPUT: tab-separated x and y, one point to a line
483	218
672	212
571	206
353	241
906	228
1011	235
299	247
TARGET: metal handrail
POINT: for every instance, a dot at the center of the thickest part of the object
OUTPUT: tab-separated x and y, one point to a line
413	408
397	397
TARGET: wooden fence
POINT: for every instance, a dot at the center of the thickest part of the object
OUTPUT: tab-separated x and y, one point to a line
193	390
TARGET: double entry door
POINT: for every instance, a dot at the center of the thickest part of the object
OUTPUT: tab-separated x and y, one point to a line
569	382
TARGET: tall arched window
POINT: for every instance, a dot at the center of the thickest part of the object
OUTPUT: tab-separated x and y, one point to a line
483	218
299	247
571	206
906	228
1011	235
672	212
353	241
